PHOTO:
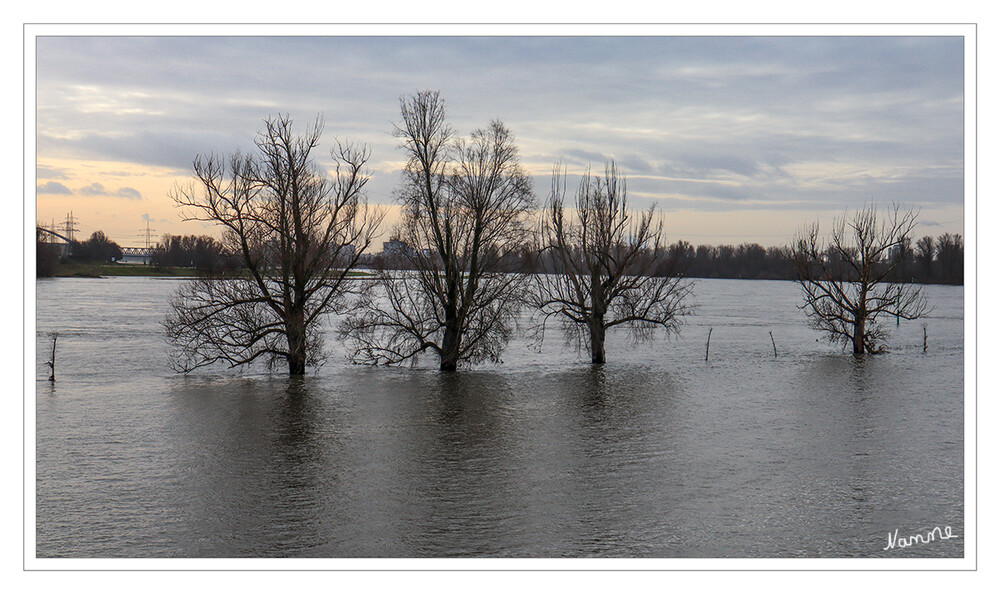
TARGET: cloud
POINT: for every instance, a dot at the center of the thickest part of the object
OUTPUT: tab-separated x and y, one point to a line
52	188
94	189
707	164
97	189
129	193
45	172
592	159
173	150
723	121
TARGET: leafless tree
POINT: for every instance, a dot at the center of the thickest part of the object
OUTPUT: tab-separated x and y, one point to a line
951	258
605	256
298	233
925	255
844	281
464	204
46	254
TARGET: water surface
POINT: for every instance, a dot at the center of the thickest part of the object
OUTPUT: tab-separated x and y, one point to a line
813	453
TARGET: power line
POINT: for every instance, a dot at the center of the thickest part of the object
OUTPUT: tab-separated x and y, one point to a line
69	227
147	233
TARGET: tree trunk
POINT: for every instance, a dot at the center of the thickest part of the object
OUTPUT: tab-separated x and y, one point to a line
597	331
296	334
599	306
859	335
296	365
449	346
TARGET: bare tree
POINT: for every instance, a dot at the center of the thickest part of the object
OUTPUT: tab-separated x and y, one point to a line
925	256
464	204
845	281
46	254
604	259
297	232
951	258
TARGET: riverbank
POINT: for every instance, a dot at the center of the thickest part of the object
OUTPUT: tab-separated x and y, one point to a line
80	270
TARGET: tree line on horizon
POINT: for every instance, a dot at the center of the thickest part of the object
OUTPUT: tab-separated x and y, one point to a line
937	260
929	260
97	248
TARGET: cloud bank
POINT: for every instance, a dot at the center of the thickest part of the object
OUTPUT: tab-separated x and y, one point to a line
704	123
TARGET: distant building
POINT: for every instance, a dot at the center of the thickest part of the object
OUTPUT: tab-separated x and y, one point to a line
395	247
395	254
894	253
346	254
135	256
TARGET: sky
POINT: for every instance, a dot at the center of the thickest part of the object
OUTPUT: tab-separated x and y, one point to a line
735	139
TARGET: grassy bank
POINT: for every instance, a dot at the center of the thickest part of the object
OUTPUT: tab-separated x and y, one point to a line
90	270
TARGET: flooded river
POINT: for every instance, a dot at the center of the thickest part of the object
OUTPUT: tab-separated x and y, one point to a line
812	453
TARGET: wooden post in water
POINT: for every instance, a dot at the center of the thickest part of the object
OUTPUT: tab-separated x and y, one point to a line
925	338
707	342
52	362
774	346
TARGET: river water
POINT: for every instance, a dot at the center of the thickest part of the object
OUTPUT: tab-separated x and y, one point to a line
813	453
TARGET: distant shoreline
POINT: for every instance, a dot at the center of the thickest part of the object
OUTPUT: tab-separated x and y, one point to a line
77	270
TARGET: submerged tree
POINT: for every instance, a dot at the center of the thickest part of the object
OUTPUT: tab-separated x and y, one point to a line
463	209
605	257
845	281
297	232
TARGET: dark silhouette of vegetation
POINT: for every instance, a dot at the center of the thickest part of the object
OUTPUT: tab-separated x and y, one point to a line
200	252
923	258
846	280
932	261
747	260
464	207
298	234
98	248
750	261
949	265
604	257
46	255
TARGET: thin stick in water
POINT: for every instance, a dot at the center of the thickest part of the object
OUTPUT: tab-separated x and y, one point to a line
774	346
707	342
52	363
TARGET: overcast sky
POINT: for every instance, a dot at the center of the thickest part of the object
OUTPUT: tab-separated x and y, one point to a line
734	138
